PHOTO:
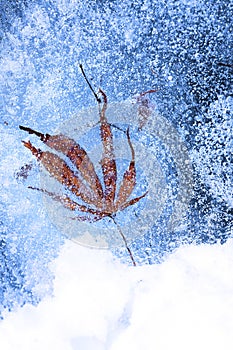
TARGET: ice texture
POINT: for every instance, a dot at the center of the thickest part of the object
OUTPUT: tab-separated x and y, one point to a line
181	48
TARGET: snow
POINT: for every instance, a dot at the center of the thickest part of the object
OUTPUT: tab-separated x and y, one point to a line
98	303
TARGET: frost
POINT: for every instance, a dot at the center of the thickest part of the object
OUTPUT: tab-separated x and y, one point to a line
214	152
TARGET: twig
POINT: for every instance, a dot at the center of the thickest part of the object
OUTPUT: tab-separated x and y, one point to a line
89	84
124	239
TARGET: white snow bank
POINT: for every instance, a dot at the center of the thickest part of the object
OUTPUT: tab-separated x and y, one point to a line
99	304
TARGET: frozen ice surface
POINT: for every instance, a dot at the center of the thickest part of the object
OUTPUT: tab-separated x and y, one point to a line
177	292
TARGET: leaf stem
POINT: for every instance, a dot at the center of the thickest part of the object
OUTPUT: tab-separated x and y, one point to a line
124	239
93	91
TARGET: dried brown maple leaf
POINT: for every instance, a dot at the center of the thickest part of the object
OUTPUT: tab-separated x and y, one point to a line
99	201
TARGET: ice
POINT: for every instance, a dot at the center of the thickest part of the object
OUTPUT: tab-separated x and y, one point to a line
57	294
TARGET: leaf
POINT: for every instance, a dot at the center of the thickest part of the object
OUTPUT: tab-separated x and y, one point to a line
58	169
72	205
79	158
75	153
145	108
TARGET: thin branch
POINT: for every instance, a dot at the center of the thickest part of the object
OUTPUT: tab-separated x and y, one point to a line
130	145
89	84
124	239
